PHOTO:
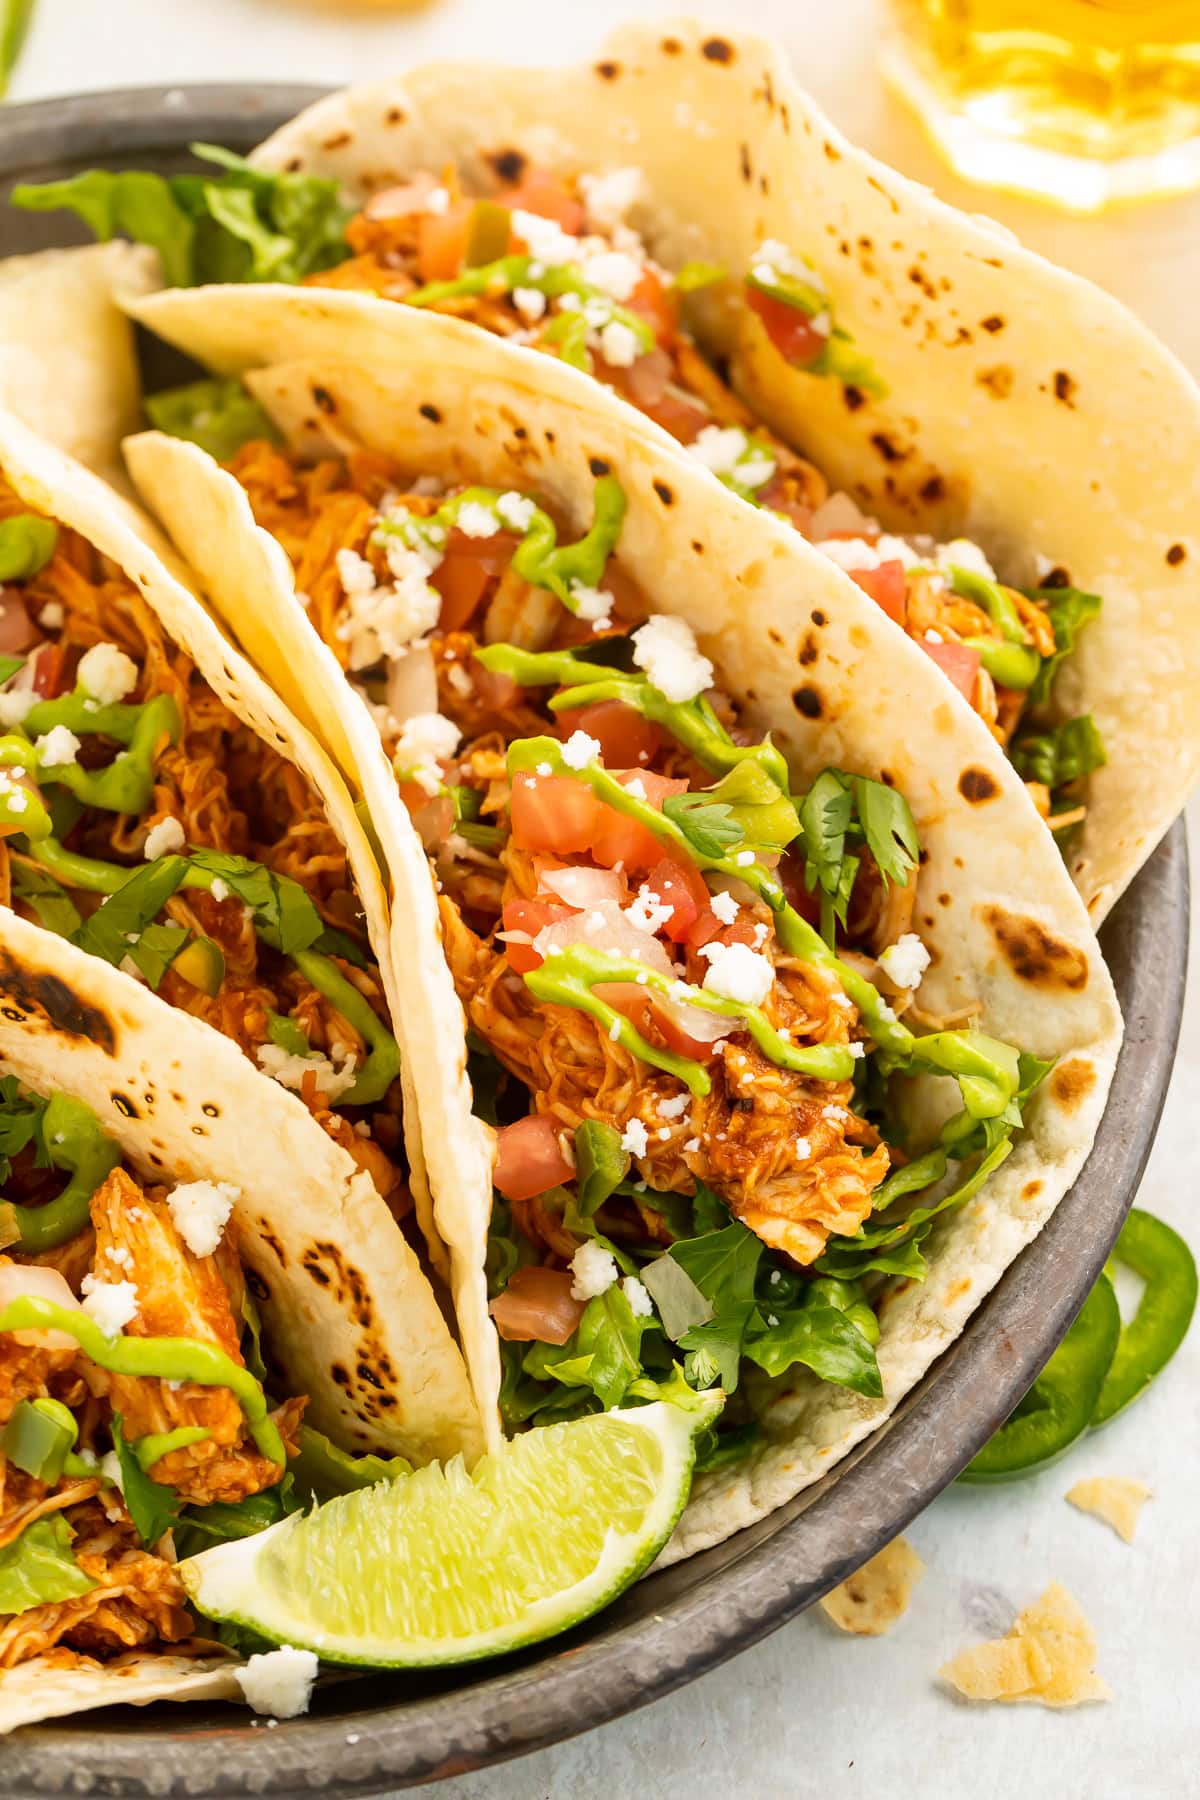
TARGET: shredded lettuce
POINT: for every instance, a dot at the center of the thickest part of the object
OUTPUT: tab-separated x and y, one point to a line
219	415
38	1569
1063	754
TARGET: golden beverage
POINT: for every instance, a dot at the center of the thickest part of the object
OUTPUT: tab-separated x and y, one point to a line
1085	101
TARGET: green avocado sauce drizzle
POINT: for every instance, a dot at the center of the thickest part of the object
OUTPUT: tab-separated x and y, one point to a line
1014	663
156	1444
159	1358
125	786
539	558
569	329
73	1140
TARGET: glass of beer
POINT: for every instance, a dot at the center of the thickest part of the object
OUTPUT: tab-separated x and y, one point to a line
1084	102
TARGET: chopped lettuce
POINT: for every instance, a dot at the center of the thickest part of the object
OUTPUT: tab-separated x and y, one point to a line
219	415
38	1569
1069	610
244	224
1064	753
151	1505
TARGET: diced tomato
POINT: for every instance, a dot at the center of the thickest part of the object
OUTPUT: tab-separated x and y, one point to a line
529	1158
619	839
554	812
651	1016
463	574
704	929
656	788
679	885
653	301
442	241
958	662
402	201
789	329
887	586
537	1306
530	916
626	739
499	692
544	194
644	382
48	666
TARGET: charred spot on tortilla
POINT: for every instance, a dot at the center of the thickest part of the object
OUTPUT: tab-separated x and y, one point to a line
10	1012
992	323
599	467
124	1105
808	649
1064	387
1176	554
509	164
832	151
977	785
932	490
853	396
1034	953
746	165
323	400
337	141
1071	1082
717	50
340	1374
210	1109
294	164
49	995
998	382
671	47
666	494
945	900
608	71
807	701
395	115
818	617
311	1263
698	547
520	433
890	452
1032	1189
428	411
273	1244
257	1285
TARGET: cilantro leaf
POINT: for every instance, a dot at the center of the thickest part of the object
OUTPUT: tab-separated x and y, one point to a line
38	1569
1069	610
284	916
708	825
888	827
604	1353
153	1507
723	1264
114	928
714	1349
50	901
1065	753
20	1122
841	809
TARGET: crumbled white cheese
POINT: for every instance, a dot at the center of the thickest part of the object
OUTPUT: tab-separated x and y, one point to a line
905	961
665	647
857	1050
773	259
857	553
285	1067
383	621
16	705
618	344
963	554
118	1254
109	1304
201	1212
609	197
737	972
530	303
475	520
279	1682
636	787
635	1138
803	1148
744	858
111	1470
692	1145
640	1303
594	604
57	747
161	839
725	907
515	509
580	750
219	889
718	447
613	273
594	1270
546	241
648	911
51	616
106	673
673	1108
425	740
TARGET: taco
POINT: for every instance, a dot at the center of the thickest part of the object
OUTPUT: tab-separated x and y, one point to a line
725	894
193	942
915	393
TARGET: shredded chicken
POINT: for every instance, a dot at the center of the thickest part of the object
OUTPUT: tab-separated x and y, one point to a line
180	1295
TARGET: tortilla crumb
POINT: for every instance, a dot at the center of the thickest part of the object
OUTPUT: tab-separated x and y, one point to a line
1049	1655
876	1596
1116	1499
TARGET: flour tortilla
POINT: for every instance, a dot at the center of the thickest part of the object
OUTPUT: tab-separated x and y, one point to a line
86	395
797	645
39	1689
349	1313
1026	408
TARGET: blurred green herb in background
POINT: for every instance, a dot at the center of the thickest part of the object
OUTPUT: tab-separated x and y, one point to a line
15	17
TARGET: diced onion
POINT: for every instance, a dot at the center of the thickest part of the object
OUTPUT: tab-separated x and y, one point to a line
412	684
581	886
839	513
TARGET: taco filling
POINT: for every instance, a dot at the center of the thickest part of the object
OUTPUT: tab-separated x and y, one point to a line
136	1426
554	262
689	988
143	821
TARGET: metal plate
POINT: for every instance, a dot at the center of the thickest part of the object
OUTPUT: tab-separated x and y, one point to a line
370	1733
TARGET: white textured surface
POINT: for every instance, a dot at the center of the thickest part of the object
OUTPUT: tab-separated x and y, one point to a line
811	1712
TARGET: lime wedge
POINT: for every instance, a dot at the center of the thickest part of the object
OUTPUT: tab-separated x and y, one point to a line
442	1566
